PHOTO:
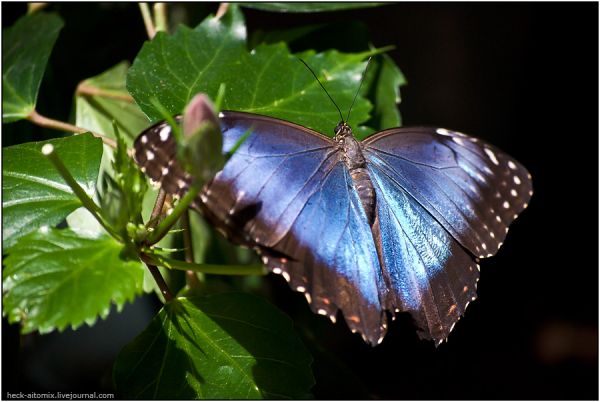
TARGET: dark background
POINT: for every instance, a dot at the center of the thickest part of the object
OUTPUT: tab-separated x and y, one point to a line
523	76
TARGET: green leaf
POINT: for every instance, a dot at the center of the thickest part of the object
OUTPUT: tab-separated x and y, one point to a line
26	47
268	80
223	346
102	99
282	35
56	278
301	7
387	94
34	193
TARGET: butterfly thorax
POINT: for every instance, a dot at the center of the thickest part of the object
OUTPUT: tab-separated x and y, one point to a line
353	158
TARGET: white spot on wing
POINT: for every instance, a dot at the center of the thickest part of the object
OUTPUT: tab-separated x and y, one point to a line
308	298
442	131
491	155
513	192
164	133
277	270
512	165
301	289
149	155
165	171
458	140
322	311
516	180
144	139
505	205
286	276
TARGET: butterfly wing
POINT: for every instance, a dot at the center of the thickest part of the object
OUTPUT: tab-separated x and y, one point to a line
428	273
440	195
470	187
286	193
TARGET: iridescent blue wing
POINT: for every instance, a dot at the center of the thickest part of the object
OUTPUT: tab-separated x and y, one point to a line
470	187
286	193
442	199
428	273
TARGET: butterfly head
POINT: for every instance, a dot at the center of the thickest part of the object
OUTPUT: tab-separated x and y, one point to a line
342	130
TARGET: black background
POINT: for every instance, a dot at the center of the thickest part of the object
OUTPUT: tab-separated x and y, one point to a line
523	76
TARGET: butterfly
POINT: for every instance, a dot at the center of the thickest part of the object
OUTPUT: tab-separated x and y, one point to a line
394	223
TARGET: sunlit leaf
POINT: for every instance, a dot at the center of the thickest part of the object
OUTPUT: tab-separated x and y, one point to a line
387	93
269	80
34	193
102	99
58	278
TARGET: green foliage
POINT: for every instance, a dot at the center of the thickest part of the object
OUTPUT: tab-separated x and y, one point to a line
123	197
268	80
103	99
58	278
26	47
387	94
301	7
224	346
34	193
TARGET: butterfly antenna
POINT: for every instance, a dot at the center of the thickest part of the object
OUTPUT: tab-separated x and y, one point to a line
317	78
364	74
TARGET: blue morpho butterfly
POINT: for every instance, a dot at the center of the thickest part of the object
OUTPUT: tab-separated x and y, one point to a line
395	222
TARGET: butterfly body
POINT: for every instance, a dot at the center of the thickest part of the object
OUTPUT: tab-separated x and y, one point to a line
392	223
351	152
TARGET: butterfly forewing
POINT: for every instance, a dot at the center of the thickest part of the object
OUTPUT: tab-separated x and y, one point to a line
470	187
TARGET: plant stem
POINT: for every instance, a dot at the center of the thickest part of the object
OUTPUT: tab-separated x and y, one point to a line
158	206
253	269
223	7
160	17
191	277
89	90
163	227
86	201
33	7
160	281
150	29
43	121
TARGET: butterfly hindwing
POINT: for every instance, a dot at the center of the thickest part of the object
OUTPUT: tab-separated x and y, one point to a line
429	274
334	258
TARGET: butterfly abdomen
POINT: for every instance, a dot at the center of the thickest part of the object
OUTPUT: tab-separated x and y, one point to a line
366	192
357	166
